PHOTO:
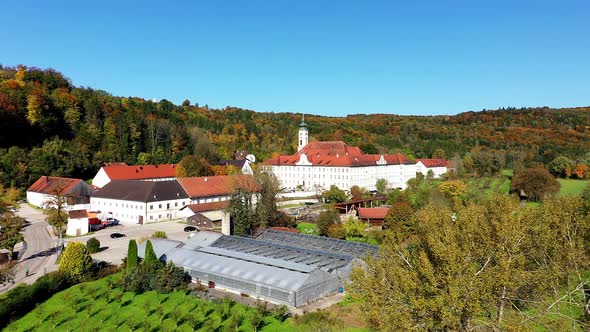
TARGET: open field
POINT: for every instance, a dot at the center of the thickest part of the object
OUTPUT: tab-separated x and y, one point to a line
99	305
572	187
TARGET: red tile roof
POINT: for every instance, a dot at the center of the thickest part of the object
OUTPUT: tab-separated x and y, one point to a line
434	162
219	185
139	172
337	153
204	207
77	214
284	229
373	213
53	185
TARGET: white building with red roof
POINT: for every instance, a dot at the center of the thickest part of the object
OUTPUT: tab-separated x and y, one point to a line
439	167
122	171
319	165
45	190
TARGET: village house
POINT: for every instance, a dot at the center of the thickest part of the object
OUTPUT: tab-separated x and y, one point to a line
122	171
46	189
439	167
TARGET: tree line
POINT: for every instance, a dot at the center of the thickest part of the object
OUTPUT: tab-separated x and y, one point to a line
48	126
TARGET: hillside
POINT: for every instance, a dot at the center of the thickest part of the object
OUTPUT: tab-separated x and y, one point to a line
50	127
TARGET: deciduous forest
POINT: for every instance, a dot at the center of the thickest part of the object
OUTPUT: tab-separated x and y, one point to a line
48	126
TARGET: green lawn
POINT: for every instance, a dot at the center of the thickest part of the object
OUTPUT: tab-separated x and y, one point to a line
99	305
308	228
572	187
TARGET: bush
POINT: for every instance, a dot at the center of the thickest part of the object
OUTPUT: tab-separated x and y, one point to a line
75	261
20	300
326	219
280	313
171	278
93	245
160	234
337	231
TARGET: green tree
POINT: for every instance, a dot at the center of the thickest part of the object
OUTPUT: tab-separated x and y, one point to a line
93	245
400	218
381	185
334	195
160	234
10	232
562	167
468	268
326	219
75	261
337	231
536	183
132	259
266	202
241	211
354	227
193	166
151	261
55	212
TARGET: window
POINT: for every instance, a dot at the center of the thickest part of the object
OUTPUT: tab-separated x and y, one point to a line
151	217
159	206
175	203
151	207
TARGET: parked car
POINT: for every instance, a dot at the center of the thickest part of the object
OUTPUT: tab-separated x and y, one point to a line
117	235
190	229
95	224
112	221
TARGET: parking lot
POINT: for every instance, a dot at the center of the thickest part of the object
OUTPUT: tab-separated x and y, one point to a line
115	249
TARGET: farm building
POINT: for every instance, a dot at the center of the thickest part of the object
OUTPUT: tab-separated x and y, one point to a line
279	267
45	190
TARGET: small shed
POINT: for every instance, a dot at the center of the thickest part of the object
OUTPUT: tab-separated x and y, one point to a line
77	223
373	216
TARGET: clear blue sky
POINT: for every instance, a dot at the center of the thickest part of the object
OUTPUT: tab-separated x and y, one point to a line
320	57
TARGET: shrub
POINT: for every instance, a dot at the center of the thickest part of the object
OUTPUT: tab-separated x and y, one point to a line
75	261
93	245
280	313
337	231
171	278
20	300
326	219
132	258
160	234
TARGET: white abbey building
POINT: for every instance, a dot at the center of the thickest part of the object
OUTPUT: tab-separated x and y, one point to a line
319	165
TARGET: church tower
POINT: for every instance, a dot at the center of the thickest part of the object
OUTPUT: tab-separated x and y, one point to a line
303	134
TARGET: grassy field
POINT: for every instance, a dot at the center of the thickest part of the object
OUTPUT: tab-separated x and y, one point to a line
479	187
99	305
572	187
307	228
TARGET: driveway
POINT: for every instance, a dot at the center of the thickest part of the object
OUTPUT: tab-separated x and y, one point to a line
114	250
40	251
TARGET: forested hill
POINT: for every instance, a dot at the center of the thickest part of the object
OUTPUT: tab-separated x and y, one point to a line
50	127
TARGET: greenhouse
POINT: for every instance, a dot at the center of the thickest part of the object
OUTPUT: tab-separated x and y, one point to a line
281	273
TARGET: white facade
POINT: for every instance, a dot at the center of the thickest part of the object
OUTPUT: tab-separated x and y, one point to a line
101	178
437	171
77	226
133	212
38	199
314	177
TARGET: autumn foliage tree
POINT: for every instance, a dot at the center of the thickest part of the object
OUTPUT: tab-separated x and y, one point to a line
497	264
535	183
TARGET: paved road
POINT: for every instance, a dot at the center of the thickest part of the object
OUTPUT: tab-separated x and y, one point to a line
40	254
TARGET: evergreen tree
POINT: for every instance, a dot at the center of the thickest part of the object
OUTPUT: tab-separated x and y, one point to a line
151	261
132	258
75	261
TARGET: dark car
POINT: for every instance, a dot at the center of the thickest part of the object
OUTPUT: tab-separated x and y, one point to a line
117	235
190	229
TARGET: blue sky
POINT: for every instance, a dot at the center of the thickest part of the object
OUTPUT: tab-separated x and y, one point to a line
320	57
